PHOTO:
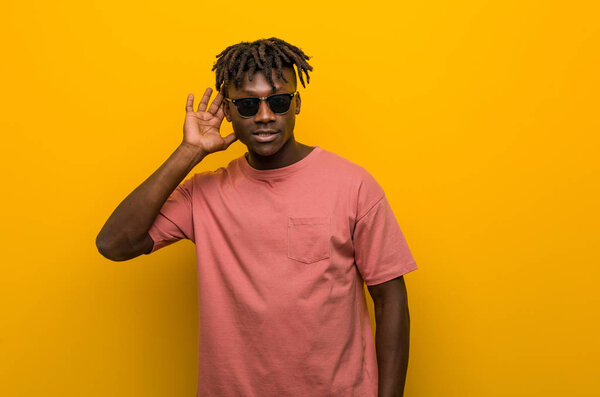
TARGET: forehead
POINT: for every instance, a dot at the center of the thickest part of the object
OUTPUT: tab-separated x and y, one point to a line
260	85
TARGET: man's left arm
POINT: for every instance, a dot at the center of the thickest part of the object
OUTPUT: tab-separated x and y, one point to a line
391	335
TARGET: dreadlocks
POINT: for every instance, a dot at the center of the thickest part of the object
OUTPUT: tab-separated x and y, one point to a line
265	55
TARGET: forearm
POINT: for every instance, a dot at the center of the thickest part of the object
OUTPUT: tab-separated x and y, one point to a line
133	217
392	344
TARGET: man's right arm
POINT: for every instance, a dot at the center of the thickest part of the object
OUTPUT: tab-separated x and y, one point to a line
125	234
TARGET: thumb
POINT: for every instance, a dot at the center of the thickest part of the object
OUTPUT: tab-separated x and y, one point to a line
229	139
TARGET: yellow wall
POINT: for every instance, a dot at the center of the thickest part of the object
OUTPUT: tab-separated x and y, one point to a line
479	119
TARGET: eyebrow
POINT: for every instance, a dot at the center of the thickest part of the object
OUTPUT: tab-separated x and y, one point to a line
252	92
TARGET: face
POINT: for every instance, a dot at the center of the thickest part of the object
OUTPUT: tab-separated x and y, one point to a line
247	129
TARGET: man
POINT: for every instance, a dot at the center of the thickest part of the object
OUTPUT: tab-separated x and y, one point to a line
285	237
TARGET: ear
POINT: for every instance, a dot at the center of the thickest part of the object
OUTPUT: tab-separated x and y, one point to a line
226	110
298	102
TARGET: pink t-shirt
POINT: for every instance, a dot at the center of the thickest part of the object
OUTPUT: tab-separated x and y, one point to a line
282	255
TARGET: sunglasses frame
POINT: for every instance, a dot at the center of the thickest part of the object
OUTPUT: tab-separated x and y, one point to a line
262	98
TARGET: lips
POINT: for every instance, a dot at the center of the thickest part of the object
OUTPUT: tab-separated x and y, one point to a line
264	131
261	135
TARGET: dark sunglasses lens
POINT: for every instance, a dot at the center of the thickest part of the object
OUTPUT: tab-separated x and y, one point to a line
247	107
280	103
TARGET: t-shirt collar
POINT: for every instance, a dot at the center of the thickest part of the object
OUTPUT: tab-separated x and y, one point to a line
278	172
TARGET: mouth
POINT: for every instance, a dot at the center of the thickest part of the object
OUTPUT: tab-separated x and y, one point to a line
265	135
264	132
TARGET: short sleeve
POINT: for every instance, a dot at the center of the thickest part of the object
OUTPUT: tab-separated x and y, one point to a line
381	252
174	221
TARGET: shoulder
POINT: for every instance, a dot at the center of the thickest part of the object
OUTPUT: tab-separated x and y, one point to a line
216	175
355	173
362	185
205	181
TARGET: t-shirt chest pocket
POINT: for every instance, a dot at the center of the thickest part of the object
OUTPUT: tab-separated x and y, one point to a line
309	238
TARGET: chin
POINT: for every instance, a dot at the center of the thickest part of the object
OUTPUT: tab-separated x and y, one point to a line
266	150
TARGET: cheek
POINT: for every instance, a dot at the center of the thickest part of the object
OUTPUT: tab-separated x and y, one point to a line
238	125
290	123
241	129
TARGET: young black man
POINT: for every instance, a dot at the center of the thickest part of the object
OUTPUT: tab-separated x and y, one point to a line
285	237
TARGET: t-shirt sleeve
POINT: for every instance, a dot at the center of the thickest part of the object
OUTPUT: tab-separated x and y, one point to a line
381	252
174	221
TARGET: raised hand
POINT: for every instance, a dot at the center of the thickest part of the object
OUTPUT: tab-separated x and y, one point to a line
201	128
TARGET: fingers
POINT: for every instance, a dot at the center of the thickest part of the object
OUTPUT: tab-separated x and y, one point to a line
216	104
204	101
216	107
189	106
220	114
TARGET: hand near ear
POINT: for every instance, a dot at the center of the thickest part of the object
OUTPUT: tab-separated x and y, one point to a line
202	127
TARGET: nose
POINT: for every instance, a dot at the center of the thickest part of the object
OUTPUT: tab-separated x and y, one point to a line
264	114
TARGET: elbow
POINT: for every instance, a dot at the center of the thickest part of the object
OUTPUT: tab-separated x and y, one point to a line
106	250
122	249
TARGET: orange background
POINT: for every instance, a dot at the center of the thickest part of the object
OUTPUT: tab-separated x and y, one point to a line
479	119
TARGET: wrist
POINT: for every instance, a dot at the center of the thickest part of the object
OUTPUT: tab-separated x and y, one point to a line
195	152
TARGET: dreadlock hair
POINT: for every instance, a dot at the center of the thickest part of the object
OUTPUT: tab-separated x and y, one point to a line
264	55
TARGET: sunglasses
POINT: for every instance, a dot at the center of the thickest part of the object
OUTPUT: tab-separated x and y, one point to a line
248	107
